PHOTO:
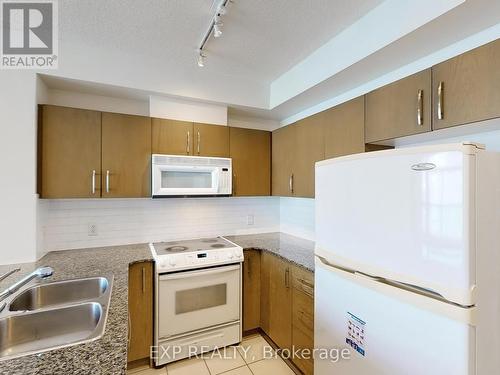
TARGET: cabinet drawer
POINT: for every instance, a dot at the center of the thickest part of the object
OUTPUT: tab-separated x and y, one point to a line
303	312
303	280
303	341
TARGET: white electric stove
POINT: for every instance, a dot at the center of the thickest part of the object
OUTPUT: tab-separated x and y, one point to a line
197	253
198	300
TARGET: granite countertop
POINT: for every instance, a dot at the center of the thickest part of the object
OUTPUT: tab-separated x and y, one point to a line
108	355
297	250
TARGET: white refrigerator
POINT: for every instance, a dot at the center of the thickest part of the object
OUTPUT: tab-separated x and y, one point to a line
407	262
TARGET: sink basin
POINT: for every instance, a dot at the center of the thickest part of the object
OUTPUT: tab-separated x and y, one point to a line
59	293
38	331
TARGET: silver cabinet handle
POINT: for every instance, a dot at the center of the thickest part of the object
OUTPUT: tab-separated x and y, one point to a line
187	143
420	104
199	140
143	280
93	182
290	183
107	181
440	94
287	277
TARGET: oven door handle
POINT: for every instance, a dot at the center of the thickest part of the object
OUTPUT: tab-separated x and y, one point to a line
211	271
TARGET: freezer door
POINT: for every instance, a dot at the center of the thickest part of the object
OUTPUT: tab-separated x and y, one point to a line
405	215
388	331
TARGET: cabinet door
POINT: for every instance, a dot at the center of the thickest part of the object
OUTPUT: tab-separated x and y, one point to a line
171	137
211	140
310	148
251	153
126	156
140	310
303	316
251	290
467	88
399	109
276	304
345	129
265	288
283	156
70	153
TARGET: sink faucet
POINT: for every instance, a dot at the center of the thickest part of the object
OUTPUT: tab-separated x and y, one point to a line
39	273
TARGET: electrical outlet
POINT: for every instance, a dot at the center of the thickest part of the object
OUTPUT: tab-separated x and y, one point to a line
92	230
250	220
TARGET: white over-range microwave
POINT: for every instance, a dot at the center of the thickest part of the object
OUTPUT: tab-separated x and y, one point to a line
194	176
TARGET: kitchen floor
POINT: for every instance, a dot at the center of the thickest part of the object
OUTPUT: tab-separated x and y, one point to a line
245	360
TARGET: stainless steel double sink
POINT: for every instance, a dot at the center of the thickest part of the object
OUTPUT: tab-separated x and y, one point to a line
51	315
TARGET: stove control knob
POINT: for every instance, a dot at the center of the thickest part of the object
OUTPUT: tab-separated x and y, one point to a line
237	254
172	262
230	255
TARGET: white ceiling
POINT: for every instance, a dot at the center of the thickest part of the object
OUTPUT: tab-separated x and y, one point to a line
135	48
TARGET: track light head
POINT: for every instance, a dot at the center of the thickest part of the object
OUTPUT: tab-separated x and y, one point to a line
222	10
217	29
201	59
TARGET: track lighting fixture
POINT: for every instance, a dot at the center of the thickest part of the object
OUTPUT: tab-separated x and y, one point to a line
215	29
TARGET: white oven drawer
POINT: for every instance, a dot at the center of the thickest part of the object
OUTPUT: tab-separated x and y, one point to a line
202	342
193	300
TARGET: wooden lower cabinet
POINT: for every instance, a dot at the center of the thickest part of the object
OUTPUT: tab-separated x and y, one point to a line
140	310
276	306
251	290
303	316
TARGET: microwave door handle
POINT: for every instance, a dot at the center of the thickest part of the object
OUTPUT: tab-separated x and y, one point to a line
185	275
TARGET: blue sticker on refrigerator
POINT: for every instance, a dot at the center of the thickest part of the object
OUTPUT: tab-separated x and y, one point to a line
356	333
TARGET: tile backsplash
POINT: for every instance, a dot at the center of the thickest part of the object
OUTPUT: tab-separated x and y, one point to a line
297	217
72	224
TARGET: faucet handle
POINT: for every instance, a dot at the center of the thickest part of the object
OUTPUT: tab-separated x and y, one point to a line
44	271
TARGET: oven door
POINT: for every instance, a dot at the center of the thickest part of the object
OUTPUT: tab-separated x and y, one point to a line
193	300
172	180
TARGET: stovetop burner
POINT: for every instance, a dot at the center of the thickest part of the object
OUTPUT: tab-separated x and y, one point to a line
203	244
176	249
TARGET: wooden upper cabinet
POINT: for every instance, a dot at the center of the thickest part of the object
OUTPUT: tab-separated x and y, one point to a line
399	109
466	88
70	154
126	156
309	149
211	140
140	306
345	129
282	160
250	150
171	137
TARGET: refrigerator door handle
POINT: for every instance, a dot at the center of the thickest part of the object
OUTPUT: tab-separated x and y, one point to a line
397	284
